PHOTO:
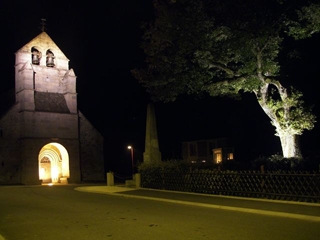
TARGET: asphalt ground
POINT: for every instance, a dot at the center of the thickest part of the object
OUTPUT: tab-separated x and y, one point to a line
285	209
297	210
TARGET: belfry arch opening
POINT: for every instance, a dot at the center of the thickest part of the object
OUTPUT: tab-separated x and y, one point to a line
35	56
50	58
53	164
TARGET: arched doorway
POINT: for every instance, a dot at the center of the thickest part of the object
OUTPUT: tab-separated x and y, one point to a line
53	163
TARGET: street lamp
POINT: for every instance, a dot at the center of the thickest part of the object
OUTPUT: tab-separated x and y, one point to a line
131	149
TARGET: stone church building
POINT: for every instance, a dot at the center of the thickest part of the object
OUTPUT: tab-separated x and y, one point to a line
44	138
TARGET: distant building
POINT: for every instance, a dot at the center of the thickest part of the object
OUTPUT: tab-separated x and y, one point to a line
44	138
207	151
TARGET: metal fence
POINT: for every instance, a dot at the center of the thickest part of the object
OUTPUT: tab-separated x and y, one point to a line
278	185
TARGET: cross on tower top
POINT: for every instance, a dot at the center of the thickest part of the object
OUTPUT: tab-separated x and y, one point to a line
43	24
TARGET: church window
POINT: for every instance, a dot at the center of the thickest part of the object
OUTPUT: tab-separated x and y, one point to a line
35	56
50	58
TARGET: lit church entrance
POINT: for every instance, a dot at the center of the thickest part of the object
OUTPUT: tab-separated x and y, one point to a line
53	164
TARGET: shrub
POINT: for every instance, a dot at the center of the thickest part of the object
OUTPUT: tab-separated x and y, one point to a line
278	162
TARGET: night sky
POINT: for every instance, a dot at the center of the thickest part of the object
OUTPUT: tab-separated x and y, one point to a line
102	39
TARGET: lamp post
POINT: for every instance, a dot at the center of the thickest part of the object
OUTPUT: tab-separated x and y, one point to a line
131	150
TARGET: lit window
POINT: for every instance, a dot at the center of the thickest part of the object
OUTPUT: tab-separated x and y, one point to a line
218	157
230	156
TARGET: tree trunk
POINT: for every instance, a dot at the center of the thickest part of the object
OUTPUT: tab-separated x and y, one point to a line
290	146
288	140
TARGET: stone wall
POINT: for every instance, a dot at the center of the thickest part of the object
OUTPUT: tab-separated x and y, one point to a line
10	159
92	152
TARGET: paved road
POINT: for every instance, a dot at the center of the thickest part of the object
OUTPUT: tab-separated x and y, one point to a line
298	210
101	212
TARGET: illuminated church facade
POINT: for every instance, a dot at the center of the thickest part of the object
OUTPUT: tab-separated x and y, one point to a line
44	138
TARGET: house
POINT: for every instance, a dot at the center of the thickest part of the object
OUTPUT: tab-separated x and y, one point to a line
207	151
44	138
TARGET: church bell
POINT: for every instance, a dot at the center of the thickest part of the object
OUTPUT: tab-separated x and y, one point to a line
36	56
50	59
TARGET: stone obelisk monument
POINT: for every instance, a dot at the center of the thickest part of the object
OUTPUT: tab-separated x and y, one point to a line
151	152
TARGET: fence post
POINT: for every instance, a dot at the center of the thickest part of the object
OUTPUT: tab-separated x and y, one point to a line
110	179
263	182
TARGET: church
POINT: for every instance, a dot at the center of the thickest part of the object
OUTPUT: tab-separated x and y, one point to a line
44	138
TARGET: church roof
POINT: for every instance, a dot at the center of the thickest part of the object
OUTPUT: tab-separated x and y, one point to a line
44	42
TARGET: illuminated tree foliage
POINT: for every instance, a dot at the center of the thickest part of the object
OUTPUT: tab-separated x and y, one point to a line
226	48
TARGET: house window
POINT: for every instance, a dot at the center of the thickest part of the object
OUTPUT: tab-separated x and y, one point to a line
217	155
192	148
202	149
230	156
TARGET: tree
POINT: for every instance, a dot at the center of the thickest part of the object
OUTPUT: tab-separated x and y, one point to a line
227	48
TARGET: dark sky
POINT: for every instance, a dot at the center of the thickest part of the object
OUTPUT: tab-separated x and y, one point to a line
101	39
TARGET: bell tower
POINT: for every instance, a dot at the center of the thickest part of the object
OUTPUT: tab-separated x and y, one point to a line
46	99
44	137
41	67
